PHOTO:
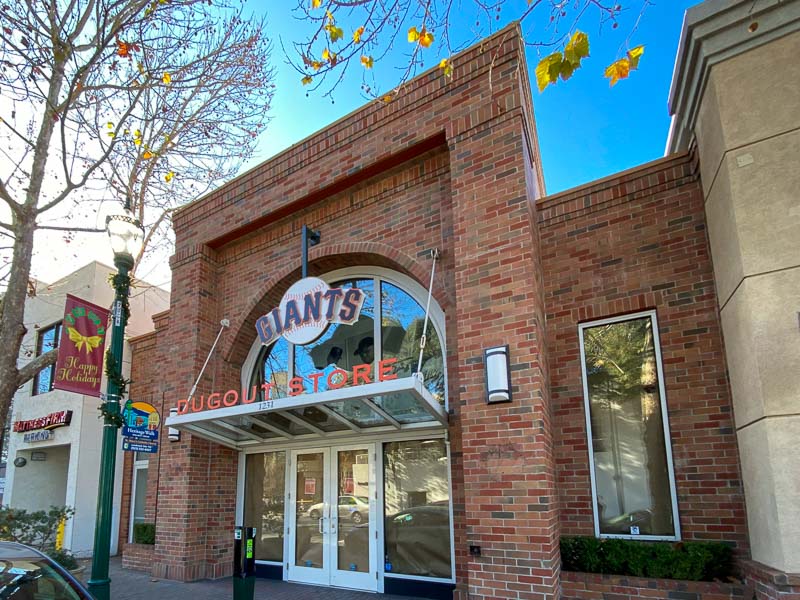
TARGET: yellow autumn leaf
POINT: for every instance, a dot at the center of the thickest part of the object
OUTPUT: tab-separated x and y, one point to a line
367	62
111	134
447	67
316	65
387	98
168	177
548	69
329	15
147	155
619	69
357	34
110	125
166	78
316	3
140	66
577	49
329	56
633	56
425	39
413	35
137	142
336	33
306	80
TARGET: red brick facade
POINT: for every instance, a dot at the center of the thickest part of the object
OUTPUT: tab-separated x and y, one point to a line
632	242
453	165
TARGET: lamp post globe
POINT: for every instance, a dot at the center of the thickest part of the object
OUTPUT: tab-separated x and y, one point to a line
127	236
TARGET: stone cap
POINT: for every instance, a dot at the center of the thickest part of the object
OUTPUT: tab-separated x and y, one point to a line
715	31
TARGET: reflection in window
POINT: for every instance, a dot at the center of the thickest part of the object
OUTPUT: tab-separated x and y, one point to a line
341	346
633	492
46	340
417	503
390	329
264	502
402	322
274	370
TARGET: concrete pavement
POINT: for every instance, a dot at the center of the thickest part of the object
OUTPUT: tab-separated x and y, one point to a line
136	585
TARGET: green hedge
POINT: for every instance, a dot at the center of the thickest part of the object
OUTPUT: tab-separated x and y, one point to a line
695	561
144	533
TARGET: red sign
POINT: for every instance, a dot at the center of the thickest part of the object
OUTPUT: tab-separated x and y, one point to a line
61	418
298	386
80	351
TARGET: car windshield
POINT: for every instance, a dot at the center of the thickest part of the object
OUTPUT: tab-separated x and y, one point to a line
362	499
32	578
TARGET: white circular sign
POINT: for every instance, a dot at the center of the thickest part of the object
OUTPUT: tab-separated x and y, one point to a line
307	331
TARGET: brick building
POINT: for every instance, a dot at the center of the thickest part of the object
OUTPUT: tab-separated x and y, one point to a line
573	379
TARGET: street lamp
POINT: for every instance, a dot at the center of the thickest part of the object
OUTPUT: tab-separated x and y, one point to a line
127	235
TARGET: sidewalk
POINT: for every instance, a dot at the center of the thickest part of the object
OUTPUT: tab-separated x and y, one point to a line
136	585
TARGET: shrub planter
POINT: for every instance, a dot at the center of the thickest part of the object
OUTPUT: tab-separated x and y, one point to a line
593	586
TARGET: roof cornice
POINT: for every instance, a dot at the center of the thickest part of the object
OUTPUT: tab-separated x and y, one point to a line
714	31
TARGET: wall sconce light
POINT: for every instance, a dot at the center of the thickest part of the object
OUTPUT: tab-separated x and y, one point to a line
173	434
498	374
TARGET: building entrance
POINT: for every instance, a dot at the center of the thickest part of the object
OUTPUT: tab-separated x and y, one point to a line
332	517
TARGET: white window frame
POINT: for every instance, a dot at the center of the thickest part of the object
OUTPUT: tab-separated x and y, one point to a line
138	465
651	314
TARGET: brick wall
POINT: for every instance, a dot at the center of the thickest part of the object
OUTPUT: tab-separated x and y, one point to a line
631	242
589	586
450	164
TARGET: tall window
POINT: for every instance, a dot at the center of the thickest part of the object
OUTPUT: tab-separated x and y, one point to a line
417	504
390	327
264	486
632	478
46	340
141	461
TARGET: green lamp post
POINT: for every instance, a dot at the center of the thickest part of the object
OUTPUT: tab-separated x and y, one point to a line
127	235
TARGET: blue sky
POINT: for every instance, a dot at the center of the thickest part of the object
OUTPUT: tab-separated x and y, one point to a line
587	130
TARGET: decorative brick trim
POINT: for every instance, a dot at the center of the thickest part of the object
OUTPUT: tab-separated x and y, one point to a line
592	586
771	584
323	258
138	557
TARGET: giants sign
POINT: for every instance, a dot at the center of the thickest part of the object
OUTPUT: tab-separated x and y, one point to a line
306	310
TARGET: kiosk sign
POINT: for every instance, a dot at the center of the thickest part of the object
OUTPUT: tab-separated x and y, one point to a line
306	310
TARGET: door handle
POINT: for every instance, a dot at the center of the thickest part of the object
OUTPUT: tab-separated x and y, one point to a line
319	524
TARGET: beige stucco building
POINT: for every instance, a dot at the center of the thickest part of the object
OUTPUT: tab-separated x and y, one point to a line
736	98
62	468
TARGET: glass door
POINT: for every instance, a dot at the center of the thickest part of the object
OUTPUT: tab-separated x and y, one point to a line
308	559
332	499
353	524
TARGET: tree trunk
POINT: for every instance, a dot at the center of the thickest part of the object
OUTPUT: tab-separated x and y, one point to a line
12	328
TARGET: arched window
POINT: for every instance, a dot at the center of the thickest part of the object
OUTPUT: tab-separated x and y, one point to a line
390	327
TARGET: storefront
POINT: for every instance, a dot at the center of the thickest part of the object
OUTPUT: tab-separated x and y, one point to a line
343	453
572	381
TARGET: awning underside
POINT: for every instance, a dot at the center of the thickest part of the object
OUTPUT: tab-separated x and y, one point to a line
394	405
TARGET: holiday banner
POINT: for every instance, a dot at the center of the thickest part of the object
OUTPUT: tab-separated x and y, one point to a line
79	367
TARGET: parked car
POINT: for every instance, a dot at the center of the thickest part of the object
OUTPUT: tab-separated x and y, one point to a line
27	574
350	507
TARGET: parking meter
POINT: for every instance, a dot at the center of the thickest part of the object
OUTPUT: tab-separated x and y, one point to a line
244	563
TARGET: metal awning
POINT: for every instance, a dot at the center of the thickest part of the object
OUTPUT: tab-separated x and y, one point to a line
394	405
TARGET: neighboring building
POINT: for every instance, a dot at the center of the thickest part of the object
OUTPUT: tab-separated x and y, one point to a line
64	468
736	102
617	420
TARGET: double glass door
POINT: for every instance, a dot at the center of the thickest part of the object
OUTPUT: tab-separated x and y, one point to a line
332	505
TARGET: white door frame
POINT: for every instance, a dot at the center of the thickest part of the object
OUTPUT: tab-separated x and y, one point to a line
329	573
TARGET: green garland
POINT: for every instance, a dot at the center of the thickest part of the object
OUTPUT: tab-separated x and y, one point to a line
122	285
114	375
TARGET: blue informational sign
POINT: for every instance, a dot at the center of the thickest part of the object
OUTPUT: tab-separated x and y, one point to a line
140	429
140	434
139	446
